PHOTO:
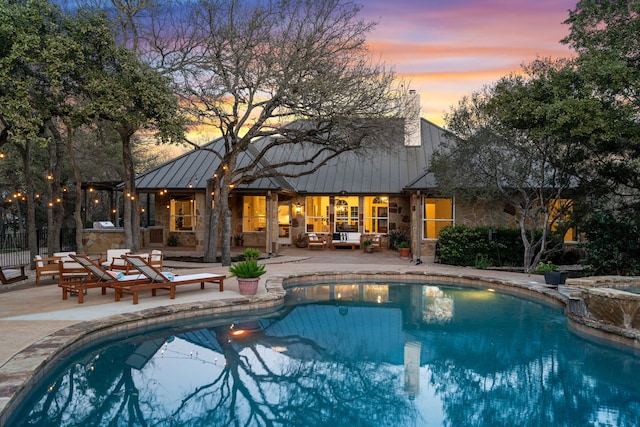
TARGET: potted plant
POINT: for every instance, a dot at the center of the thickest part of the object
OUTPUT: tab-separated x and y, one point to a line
366	245
248	273
301	241
551	274
239	239
404	249
172	239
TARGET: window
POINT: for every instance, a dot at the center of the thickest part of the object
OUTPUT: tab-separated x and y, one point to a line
346	209
183	213
376	218
254	213
317	209
438	213
559	215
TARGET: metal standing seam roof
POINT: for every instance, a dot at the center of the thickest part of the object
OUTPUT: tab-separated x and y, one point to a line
388	171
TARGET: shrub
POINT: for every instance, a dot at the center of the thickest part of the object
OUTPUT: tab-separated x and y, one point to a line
251	253
463	245
482	262
396	237
613	243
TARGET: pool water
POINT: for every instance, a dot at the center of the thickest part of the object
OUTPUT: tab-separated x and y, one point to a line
351	355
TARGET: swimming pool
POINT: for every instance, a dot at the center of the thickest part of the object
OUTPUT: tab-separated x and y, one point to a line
351	354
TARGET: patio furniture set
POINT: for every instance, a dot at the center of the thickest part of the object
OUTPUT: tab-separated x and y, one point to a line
122	271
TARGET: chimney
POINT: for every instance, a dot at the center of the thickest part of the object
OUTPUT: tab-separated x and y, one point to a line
412	134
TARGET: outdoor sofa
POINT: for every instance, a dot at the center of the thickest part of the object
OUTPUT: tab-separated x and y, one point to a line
346	239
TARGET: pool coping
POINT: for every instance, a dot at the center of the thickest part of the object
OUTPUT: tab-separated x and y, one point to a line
31	364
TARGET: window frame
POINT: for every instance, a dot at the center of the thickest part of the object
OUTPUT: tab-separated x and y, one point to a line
349	215
373	221
176	220
436	220
260	216
313	213
560	211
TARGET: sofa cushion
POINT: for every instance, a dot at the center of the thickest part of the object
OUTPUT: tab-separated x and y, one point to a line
344	237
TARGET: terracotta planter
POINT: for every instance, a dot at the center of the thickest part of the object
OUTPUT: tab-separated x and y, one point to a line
248	286
404	252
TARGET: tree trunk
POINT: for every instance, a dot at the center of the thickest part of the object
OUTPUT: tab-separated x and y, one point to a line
130	217
225	246
211	214
31	203
77	211
56	202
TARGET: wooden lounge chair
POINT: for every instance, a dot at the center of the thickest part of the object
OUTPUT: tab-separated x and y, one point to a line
160	280
46	267
12	274
95	276
316	241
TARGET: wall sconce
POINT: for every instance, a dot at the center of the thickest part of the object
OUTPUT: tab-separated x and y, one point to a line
298	208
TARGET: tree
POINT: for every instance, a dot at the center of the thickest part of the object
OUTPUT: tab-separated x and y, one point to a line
605	36
526	140
285	73
120	90
36	60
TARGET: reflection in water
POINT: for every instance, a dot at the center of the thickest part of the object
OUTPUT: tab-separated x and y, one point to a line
352	355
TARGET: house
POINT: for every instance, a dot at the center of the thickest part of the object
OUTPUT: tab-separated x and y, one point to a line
377	192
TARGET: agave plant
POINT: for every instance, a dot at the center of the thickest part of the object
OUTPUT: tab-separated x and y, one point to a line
247	269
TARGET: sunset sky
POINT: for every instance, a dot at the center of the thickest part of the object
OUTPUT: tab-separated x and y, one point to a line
449	48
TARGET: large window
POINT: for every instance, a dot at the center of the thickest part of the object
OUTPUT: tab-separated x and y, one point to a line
254	213
317	214
346	209
376	219
559	216
438	213
183	213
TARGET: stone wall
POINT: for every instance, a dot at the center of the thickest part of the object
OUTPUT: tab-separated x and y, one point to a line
97	241
480	212
602	307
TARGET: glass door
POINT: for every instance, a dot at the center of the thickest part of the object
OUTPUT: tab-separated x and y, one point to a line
284	223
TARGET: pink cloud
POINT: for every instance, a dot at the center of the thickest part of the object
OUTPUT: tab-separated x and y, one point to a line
463	45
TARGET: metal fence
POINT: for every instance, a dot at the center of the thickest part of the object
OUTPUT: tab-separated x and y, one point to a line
14	246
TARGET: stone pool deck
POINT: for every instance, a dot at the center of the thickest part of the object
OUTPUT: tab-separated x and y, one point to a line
36	323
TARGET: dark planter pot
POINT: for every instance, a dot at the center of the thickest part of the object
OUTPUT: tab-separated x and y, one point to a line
248	286
555	278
